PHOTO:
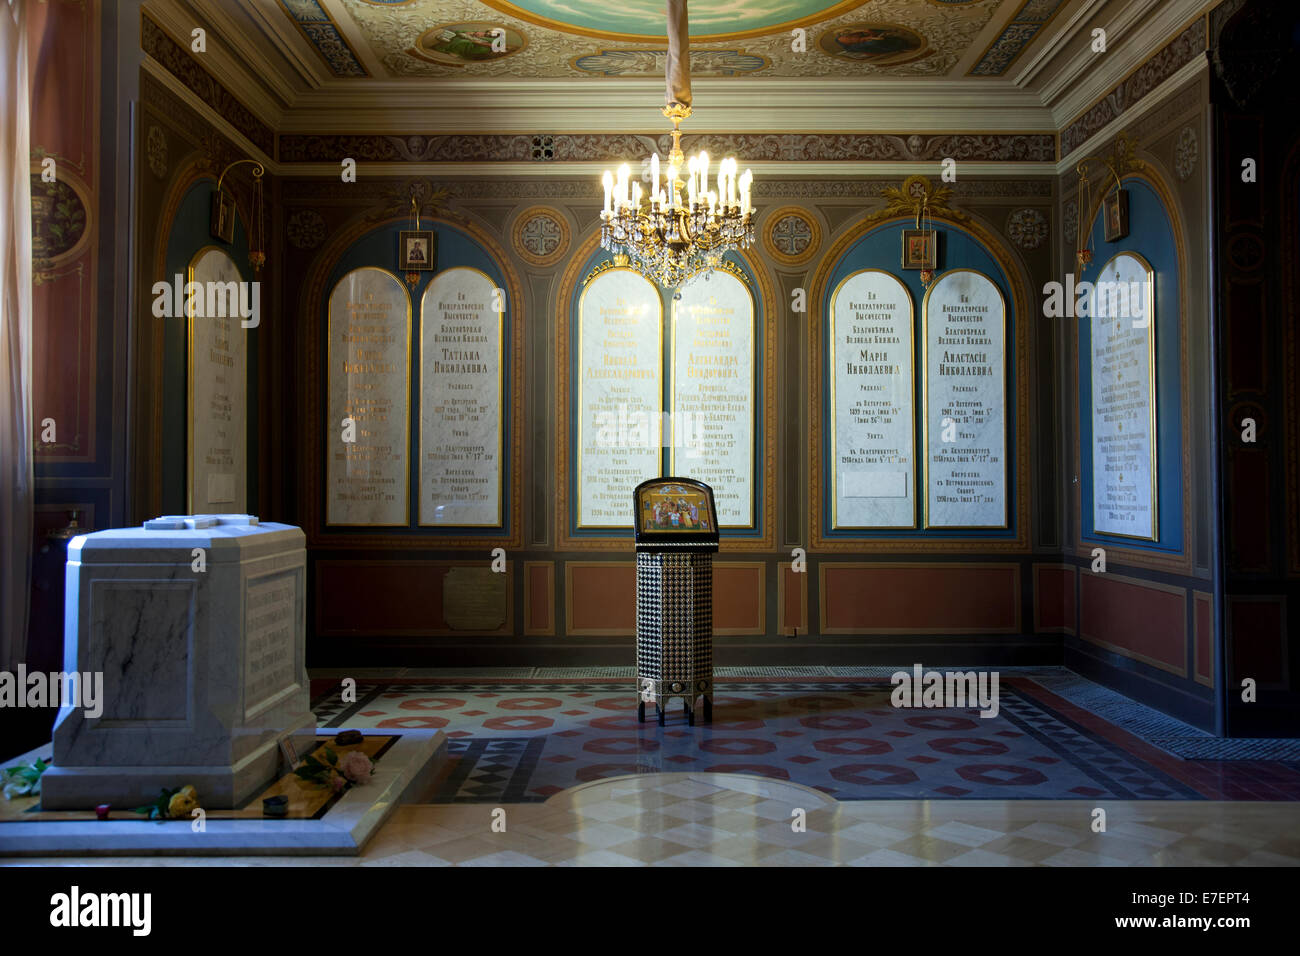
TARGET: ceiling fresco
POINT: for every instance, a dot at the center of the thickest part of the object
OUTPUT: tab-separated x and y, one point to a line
731	38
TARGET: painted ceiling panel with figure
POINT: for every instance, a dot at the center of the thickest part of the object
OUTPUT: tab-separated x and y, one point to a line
733	38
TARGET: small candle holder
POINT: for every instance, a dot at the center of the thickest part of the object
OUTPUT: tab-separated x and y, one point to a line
277	806
101	811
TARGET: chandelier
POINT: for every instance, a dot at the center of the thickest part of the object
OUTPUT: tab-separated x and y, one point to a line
679	226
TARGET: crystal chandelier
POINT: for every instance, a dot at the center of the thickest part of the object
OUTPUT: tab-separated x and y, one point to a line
679	226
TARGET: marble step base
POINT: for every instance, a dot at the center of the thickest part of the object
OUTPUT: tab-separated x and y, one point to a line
221	787
405	771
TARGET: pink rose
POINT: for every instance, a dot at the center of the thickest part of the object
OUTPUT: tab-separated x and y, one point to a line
356	766
337	782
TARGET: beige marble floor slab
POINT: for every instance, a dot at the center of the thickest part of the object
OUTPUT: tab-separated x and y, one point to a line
699	819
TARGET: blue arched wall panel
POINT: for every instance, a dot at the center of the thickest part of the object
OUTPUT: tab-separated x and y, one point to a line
455	247
1151	235
189	234
760	344
881	248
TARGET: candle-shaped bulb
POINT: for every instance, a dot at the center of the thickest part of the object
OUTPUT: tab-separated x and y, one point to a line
624	172
608	182
704	171
654	175
746	180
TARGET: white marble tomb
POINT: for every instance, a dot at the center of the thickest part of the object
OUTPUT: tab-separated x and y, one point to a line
203	664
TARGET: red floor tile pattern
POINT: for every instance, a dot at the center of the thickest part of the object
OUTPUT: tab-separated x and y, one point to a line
528	738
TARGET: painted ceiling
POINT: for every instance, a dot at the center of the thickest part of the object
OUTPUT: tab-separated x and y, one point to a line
626	38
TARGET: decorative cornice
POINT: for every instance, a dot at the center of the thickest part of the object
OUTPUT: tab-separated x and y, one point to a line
368	190
1030	20
322	32
1177	53
191	74
614	147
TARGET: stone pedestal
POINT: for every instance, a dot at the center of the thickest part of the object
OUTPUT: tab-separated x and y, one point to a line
197	624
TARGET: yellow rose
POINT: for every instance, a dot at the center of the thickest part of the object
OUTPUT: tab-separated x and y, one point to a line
182	802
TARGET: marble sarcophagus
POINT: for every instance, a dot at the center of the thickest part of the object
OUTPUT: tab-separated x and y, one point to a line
197	624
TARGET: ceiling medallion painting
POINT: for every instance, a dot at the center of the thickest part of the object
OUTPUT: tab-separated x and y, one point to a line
883	44
595	39
643	19
456	44
652	62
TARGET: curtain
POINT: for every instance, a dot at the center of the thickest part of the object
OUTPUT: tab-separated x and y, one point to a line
16	426
678	66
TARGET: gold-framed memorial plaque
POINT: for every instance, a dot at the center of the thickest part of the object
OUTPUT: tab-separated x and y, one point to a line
367	427
217	429
714	387
1122	358
873	458
965	424
462	324
619	371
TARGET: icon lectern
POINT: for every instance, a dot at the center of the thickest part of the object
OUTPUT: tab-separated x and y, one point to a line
676	538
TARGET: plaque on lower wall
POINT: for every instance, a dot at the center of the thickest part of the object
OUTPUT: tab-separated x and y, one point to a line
714	389
461	410
217	449
474	599
965	402
1123	377
619	371
873	461
367	424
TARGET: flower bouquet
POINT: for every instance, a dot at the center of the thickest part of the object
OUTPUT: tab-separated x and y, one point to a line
337	773
24	779
171	804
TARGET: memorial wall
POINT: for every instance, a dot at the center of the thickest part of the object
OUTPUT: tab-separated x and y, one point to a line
827	554
421	425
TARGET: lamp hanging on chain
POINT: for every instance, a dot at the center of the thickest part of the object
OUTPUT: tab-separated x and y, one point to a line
678	227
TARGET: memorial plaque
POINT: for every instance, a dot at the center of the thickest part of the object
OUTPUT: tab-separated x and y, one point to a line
620	394
713	400
461	409
474	599
369	367
873	459
1123	376
965	402
217	447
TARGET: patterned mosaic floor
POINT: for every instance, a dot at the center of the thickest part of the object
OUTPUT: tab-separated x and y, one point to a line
525	739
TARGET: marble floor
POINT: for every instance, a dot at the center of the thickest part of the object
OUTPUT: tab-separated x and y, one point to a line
702	819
